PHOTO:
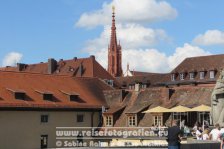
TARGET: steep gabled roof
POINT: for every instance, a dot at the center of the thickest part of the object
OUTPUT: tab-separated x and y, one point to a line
90	68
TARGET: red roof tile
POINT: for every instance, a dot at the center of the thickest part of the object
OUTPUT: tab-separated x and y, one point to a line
90	90
91	68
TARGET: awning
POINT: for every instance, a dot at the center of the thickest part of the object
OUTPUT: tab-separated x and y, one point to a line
180	109
157	110
201	108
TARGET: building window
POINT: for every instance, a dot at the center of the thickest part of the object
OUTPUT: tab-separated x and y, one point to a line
47	96
110	82
44	118
181	76
191	75
202	75
212	74
80	118
20	95
158	120
172	77
144	86
131	86
43	141
132	120
109	121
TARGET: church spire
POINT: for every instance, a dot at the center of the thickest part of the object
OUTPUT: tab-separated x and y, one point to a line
114	51
113	39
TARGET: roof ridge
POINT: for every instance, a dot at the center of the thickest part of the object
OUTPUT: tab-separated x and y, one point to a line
205	56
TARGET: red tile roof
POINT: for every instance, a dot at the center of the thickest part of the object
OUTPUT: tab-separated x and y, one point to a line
90	90
91	68
201	63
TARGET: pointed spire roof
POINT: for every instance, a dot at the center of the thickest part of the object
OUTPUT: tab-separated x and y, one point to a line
113	39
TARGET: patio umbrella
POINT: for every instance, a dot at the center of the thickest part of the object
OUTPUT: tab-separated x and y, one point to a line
201	108
180	109
157	109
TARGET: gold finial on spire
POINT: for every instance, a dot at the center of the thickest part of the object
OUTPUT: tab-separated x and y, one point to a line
113	8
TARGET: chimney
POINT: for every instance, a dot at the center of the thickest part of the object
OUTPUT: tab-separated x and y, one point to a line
75	58
20	66
92	57
80	71
167	93
52	65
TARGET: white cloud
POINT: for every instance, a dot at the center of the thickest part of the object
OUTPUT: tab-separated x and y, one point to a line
132	11
136	39
152	60
130	35
210	37
183	52
11	59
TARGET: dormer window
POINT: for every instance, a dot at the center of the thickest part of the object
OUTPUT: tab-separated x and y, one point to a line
182	76
72	96
212	74
192	75
202	75
110	82
172	77
46	95
18	94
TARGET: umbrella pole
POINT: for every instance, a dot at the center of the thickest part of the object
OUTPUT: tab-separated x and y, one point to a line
180	120
203	121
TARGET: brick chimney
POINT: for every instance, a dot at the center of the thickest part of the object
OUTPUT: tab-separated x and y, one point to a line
21	66
52	65
80	71
92	57
167	93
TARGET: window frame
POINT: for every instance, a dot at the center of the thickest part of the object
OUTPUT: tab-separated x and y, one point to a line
211	74
192	75
132	120
109	120
202	75
173	77
182	76
158	120
44	118
80	118
43	141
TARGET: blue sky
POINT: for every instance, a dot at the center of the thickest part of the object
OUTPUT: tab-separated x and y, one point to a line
43	29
